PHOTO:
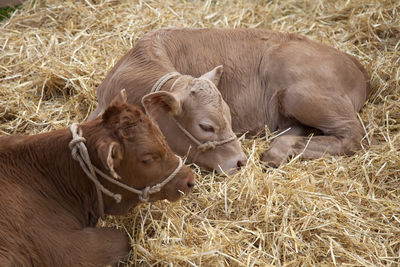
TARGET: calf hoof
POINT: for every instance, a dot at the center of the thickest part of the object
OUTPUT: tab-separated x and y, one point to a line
271	159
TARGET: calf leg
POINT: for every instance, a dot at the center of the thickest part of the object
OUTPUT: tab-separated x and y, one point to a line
6	262
334	115
86	247
99	247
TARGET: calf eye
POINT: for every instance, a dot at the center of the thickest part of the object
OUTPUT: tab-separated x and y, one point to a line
207	127
147	159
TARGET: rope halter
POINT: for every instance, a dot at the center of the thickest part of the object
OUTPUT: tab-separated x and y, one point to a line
202	147
80	153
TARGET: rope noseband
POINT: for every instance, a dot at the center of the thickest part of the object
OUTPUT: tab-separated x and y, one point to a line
80	153
206	145
202	147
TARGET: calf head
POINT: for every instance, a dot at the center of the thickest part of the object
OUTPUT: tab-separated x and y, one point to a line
197	106
132	149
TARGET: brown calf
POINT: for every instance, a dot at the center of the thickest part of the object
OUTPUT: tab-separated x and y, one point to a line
284	81
48	205
190	111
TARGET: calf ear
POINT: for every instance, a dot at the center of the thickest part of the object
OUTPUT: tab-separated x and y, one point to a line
214	75
161	101
110	154
113	108
121	97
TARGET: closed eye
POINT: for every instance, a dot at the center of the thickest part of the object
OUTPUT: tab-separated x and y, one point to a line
147	159
207	128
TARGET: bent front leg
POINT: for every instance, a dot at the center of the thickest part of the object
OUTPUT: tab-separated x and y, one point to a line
333	115
95	247
311	147
107	246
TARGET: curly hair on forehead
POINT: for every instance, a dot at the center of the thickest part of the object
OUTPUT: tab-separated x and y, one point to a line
208	92
122	112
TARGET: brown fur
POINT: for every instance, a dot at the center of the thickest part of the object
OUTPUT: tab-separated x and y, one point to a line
323	87
49	207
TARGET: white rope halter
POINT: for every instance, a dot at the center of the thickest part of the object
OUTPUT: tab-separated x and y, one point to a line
202	147
80	153
206	145
157	86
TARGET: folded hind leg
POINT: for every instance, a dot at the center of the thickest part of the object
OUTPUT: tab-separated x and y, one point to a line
100	247
86	247
334	115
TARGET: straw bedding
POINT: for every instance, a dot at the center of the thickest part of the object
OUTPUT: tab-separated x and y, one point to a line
329	211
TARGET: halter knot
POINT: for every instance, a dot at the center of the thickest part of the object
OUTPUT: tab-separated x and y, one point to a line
73	146
207	146
144	197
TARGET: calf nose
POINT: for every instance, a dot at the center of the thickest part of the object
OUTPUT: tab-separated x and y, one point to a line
190	184
190	181
240	163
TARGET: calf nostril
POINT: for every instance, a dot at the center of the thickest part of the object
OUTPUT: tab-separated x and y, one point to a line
241	163
190	185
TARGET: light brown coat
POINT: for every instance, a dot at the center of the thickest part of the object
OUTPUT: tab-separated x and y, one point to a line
283	81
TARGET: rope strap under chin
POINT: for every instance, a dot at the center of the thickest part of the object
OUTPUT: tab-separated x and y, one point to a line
80	153
202	147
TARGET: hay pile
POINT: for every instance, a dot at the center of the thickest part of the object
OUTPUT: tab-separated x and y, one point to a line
329	211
